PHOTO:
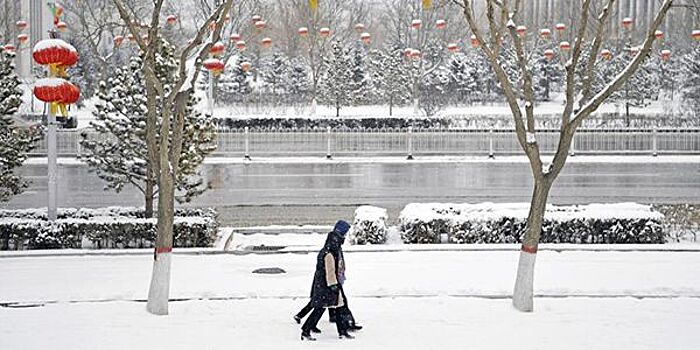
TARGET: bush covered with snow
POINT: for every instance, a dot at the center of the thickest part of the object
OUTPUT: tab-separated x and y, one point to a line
369	226
505	223
114	227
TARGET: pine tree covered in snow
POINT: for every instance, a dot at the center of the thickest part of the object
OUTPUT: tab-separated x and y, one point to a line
690	85
234	84
119	156
336	85
274	74
15	142
298	85
547	75
465	85
390	76
361	79
434	90
639	90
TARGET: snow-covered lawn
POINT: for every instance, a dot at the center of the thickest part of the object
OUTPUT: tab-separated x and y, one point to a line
408	300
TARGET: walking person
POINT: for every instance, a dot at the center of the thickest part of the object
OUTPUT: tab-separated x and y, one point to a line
326	291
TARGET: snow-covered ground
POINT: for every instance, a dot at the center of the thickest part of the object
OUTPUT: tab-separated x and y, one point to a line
407	300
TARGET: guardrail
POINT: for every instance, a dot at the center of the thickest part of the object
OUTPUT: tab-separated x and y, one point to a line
409	142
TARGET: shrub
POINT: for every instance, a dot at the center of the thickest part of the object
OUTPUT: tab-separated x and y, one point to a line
369	226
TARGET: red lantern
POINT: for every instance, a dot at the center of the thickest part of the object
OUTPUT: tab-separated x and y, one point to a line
130	37
260	25
665	55
56	90
256	18
303	31
521	30
474	41
62	26
22	38
545	33
217	49
560	27
696	34
441	24
266	42
360	27
407	52
245	66
606	54
55	52
416	24
240	44
659	34
452	47
9	48
118	40
415	54
366	37
564	46
234	38
214	65
22	25
172	19
549	54
324	32
627	22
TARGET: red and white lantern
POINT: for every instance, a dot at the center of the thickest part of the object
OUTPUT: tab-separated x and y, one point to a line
235	37
22	38
560	27
171	20
56	90
130	37
696	34
545	33
452	47
606	54
9	48
549	54
474	41
415	54
627	22
22	25
634	50
266	42
118	40
218	49
303	31
564	46
214	65
441	24
240	44
665	55
366	37
521	30
360	28
416	24
659	35
407	52
245	66
55	52
62	26
256	18
324	32
260	25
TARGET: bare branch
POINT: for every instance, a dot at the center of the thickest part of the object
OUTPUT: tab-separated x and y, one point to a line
595	48
571	64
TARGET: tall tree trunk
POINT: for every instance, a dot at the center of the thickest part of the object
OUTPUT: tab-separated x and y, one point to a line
159	291
523	291
149	194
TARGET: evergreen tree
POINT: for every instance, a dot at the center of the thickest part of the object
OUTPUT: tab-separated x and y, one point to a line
361	80
274	72
15	142
433	90
336	85
639	90
233	85
464	83
690	85
119	156
298	85
391	77
547	74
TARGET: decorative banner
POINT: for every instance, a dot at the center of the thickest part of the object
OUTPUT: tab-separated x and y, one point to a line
427	4
313	4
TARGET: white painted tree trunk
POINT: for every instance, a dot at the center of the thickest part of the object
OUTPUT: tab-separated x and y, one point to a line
313	107
159	291
524	282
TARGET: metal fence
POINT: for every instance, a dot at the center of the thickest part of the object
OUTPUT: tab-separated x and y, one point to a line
404	142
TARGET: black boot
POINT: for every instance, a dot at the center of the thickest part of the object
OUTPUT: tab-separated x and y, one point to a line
315	330
297	318
307	336
354	327
346	335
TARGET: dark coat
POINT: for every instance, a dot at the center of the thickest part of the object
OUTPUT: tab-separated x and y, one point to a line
328	267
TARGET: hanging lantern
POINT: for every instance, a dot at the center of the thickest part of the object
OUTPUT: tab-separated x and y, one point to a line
325	32
627	22
171	20
266	42
665	55
256	18
452	47
474	41
145	38
606	54
245	66
549	54
521	30
240	44
366	37
22	38
415	54
441	24
360	28
564	46
634	50
218	49
659	35
214	65
303	31
22	25
55	53
560	27
9	48
62	26
57	92
407	51
130	37
545	33
696	34
260	25
234	37
416	24
118	40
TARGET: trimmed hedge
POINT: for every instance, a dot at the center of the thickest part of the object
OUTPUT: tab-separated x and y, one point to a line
489	223
369	226
102	228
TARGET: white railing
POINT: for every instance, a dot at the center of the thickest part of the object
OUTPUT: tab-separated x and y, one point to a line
413	142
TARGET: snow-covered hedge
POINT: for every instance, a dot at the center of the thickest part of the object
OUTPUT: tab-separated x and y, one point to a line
114	227
369	226
505	223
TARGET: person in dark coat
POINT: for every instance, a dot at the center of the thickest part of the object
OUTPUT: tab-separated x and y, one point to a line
326	291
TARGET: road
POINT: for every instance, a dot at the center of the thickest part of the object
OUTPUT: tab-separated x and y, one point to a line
319	193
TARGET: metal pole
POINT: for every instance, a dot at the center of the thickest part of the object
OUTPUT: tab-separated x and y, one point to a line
246	136
491	152
572	151
211	94
52	167
328	138
654	136
410	143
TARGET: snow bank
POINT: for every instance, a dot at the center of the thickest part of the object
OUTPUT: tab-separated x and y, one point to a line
369	226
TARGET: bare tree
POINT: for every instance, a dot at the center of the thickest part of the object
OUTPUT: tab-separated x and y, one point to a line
173	108
502	16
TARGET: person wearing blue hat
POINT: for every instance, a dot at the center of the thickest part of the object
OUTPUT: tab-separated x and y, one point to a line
326	290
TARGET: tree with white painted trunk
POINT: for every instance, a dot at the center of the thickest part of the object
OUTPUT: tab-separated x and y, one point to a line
173	102
502	18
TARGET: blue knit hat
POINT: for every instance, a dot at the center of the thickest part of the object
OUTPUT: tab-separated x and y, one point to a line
341	227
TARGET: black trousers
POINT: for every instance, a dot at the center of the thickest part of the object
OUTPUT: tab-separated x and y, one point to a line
306	309
332	312
312	321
